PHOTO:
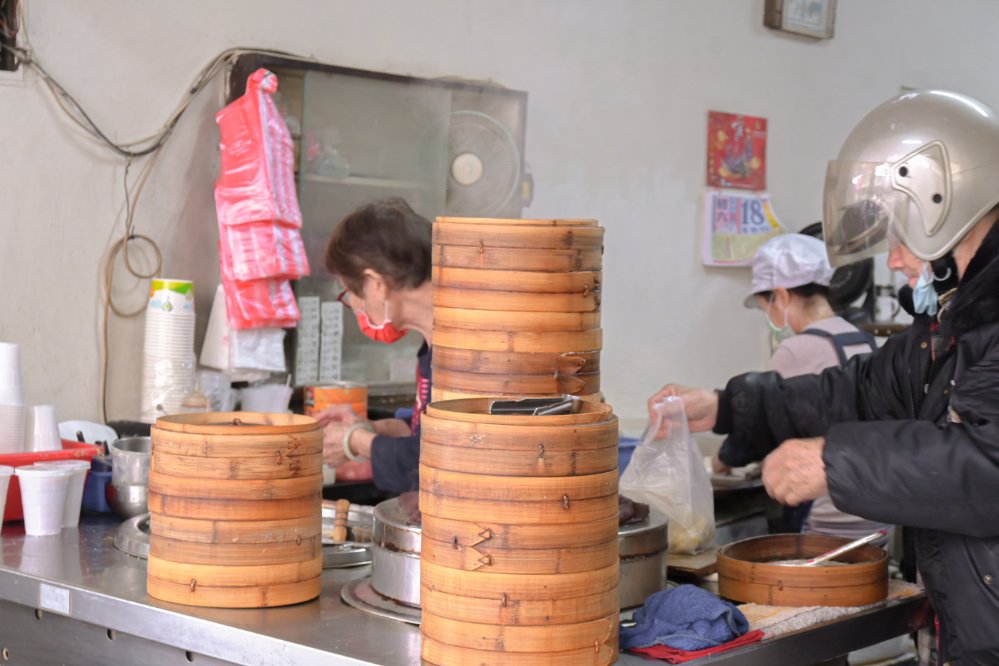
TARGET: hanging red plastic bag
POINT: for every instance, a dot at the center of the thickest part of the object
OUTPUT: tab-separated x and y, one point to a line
260	304
667	472
257	176
259	250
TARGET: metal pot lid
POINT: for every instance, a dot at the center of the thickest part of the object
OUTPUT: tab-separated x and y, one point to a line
644	538
132	536
391	529
343	555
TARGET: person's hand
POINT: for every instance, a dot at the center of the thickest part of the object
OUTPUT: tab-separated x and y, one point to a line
333	434
794	472
700	405
718	467
336	414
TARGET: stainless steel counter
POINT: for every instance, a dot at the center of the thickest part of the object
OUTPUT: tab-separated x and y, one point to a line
75	599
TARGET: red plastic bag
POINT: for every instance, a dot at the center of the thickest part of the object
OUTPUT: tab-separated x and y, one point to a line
260	304
259	250
257	177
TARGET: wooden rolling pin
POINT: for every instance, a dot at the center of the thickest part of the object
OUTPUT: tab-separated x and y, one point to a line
340	521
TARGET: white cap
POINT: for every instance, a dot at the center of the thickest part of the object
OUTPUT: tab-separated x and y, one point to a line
789	260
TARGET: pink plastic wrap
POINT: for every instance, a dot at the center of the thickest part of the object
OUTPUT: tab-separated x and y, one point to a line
260	304
259	250
257	177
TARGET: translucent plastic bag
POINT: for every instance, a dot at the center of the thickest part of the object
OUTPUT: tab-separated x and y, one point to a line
668	474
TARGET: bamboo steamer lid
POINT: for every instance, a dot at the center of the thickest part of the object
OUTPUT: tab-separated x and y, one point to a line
519	341
235	509
494	534
516	638
745	572
517	259
515	363
476	410
524	612
527	282
442	654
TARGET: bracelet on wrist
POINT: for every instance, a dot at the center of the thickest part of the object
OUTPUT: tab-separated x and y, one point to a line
360	425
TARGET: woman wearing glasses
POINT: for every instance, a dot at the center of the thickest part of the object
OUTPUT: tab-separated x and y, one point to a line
381	254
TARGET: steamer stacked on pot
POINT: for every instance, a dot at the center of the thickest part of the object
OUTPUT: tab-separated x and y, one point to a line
516	307
519	556
235	509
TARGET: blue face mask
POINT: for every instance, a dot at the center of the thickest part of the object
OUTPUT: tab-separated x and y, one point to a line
780	334
924	296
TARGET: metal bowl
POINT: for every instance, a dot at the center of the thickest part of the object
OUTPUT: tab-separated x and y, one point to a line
130	461
128	500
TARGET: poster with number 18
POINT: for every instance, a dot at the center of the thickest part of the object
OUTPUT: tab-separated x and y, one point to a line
735	225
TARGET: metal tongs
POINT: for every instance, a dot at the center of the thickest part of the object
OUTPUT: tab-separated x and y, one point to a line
565	404
819	559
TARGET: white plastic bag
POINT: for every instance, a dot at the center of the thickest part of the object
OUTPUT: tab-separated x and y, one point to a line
668	473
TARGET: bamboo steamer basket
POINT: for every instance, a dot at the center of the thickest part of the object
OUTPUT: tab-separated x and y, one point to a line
518	341
535	322
517	259
483	233
584	300
235	509
434	652
512	363
746	572
516	638
519	384
438	395
530	282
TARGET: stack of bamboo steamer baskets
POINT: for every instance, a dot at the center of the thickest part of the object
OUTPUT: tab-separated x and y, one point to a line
516	307
519	554
235	504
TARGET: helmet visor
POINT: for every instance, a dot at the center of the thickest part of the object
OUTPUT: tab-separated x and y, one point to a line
863	211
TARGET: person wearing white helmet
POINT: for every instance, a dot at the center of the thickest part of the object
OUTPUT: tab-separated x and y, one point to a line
790	285
908	435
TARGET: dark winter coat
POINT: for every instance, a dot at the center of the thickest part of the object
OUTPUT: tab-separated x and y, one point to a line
913	441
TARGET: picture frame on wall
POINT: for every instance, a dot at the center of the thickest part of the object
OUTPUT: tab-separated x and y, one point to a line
811	18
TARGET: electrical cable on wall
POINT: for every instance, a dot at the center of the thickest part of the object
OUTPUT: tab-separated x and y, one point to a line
147	148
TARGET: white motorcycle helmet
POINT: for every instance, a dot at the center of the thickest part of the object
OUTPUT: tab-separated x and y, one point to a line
919	169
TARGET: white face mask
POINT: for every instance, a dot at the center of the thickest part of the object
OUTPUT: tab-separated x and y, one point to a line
779	333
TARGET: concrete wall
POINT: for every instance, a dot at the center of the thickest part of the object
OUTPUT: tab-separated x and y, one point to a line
619	93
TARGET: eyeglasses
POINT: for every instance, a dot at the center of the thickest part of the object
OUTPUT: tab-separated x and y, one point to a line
342	298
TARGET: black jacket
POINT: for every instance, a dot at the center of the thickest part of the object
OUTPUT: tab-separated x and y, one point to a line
395	461
910	441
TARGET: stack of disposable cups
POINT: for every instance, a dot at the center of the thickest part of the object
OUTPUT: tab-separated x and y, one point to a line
43	496
12	412
5	474
168	362
74	493
41	428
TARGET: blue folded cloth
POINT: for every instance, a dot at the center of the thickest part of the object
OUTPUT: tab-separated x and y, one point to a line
685	618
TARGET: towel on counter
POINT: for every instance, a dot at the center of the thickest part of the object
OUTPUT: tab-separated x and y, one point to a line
685	618
674	656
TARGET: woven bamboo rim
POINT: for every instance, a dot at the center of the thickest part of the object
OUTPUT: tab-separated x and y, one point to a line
214	575
443	394
519	236
517	259
242	446
513	638
541	462
441	654
476	410
230	554
570	559
536	322
744	572
237	468
520	611
494	534
517	384
537	440
483	299
215	509
487	585
519	221
235	531
251	596
510	363
527	282
519	341
237	489
489	487
237	423
562	510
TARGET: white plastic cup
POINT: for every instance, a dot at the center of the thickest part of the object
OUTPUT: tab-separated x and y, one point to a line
42	429
10	374
74	494
5	474
43	496
12	428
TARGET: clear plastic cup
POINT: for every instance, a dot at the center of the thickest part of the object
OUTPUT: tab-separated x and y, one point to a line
74	494
42	429
43	497
5	474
